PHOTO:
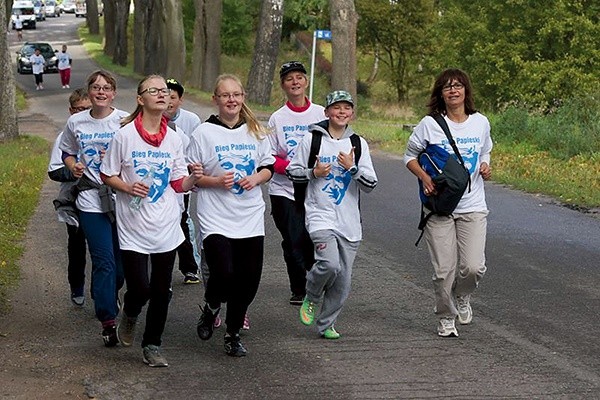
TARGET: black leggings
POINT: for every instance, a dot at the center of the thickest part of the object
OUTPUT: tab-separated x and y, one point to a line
235	267
142	288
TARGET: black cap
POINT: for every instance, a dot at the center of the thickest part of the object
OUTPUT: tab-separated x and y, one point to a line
291	66
173	84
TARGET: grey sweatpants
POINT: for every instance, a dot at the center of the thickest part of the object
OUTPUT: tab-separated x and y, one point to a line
457	250
330	277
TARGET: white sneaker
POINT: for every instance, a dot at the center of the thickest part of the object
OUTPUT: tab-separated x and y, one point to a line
446	328
67	86
64	87
465	312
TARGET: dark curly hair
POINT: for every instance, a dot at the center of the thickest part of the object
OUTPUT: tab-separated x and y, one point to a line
436	104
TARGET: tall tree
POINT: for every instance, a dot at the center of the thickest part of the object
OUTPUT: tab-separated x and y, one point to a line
93	22
344	20
151	38
8	109
173	39
266	49
110	18
206	57
140	16
120	27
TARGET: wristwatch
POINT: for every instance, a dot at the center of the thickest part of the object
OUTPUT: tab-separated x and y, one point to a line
353	170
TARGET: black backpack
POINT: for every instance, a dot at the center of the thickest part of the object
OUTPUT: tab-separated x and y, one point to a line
315	146
449	174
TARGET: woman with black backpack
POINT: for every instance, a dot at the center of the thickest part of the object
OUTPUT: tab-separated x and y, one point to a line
456	240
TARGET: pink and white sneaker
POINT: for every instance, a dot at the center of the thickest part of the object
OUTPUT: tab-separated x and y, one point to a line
246	324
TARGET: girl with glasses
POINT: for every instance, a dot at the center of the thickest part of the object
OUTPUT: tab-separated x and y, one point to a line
146	146
236	155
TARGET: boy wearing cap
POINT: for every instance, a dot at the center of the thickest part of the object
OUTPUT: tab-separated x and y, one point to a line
187	122
288	125
332	211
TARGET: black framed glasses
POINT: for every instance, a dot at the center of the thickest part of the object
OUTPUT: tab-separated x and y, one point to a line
453	86
155	91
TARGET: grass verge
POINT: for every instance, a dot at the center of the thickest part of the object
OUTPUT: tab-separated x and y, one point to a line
23	163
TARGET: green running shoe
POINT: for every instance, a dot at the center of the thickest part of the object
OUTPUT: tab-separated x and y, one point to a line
307	312
331	333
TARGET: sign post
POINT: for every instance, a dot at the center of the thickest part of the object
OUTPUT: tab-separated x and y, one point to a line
318	34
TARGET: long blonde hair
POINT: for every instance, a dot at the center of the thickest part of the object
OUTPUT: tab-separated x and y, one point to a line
128	119
258	130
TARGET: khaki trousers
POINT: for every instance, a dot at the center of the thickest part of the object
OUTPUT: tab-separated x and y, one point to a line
457	249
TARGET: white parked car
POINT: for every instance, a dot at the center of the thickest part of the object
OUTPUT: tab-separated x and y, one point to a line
52	9
68	6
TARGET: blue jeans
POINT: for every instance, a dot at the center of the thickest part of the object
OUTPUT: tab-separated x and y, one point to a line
107	269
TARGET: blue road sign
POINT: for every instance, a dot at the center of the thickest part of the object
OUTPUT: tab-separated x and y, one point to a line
325	35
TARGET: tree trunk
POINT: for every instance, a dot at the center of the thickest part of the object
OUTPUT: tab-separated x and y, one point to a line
173	37
139	31
122	19
266	49
211	61
110	22
199	44
92	16
152	40
343	45
8	108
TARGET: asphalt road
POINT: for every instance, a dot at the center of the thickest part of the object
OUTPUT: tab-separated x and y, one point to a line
533	334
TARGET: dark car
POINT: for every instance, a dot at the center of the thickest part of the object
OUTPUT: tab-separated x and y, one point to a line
23	64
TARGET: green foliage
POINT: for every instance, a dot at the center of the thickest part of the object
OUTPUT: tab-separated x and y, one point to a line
530	53
238	26
23	163
304	15
573	129
398	31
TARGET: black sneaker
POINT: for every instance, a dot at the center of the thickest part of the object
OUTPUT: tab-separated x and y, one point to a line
234	346
190	278
206	323
296	299
109	335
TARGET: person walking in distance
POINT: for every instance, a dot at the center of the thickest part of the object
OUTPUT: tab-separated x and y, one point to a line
64	67
189	257
236	155
86	137
37	68
19	27
150	231
288	126
456	242
76	247
342	168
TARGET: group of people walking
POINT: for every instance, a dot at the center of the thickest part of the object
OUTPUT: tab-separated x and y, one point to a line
63	64
315	166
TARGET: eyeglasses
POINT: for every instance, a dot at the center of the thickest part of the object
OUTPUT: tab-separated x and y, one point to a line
227	96
155	91
454	86
80	109
105	88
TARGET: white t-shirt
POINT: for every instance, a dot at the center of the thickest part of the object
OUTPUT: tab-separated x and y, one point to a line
154	228
474	142
332	202
64	60
85	137
56	161
18	23
234	213
37	63
187	120
288	129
